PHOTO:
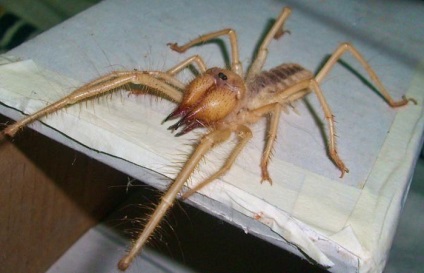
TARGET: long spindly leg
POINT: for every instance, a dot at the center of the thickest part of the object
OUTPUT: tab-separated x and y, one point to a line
164	82
244	134
193	59
206	143
288	95
350	48
275	112
330	120
235	59
100	86
275	32
298	91
169	75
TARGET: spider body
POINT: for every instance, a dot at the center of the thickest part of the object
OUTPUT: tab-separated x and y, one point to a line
226	102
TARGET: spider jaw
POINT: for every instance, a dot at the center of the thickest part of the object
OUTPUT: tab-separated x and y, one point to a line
208	99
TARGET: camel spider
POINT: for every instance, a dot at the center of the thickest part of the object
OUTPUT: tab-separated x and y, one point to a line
225	101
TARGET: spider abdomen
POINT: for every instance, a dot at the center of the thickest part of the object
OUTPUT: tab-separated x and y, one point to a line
278	78
263	87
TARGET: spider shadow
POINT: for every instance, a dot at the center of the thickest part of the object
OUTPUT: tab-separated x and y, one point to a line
353	71
318	121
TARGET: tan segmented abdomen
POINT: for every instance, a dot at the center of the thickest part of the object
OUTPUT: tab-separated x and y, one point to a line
265	85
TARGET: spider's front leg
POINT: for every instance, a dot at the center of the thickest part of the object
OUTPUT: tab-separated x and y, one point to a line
163	82
244	134
206	144
98	87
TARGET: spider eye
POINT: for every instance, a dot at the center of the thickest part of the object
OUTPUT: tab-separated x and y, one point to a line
222	76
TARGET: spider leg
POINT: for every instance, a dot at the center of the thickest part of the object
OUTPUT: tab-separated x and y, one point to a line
274	108
235	59
346	47
244	134
293	93
193	59
100	86
330	120
164	82
206	143
275	32
275	112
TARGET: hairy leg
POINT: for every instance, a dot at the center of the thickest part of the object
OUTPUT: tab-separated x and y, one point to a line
244	134
271	137
286	96
164	82
206	143
332	134
101	86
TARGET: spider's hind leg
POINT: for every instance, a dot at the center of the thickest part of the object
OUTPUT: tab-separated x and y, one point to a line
314	86
332	148
347	47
